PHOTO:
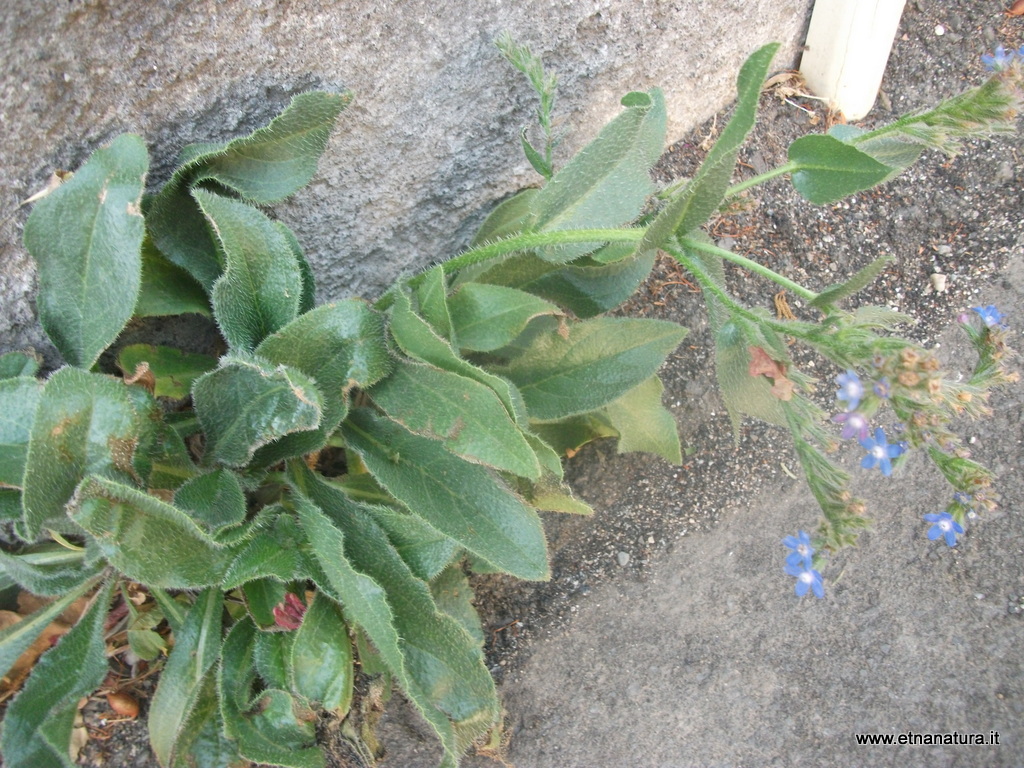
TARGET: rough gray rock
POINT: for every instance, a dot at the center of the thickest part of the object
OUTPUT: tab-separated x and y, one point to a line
429	143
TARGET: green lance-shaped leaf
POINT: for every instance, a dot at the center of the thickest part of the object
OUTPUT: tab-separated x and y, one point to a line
145	538
266	166
486	317
888	150
85	424
307	301
261	596
17	364
586	288
174	371
261	288
464	501
167	289
855	284
423	548
441	666
185	676
86	237
596	362
431	295
703	195
214	500
453	595
272	658
39	721
644	424
48	569
320	660
278	160
608	182
202	741
743	393
827	169
18	400
269	727
17	639
510	217
466	416
247	403
340	346
271	551
417	339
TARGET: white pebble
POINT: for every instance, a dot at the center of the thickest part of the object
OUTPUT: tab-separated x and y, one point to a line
940	30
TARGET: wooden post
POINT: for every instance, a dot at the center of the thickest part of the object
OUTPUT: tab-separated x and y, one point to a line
848	45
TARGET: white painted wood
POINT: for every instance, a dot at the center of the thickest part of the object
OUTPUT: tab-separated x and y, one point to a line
848	45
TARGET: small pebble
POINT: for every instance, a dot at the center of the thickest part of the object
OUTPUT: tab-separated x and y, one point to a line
623	558
940	30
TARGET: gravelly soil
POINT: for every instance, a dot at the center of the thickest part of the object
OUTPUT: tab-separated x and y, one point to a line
669	635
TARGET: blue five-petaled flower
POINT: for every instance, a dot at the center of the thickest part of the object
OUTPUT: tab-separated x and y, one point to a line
944	525
880	452
806	579
802	552
855	424
989	315
850	389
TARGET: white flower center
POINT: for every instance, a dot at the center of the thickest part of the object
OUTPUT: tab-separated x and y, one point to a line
946	525
878	452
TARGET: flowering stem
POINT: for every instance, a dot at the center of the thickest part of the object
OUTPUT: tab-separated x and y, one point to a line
532	240
788	327
753	266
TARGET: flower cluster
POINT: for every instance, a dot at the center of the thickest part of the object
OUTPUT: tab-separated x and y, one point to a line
800	562
856	424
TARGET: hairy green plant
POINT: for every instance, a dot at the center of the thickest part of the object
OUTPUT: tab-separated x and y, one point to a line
316	494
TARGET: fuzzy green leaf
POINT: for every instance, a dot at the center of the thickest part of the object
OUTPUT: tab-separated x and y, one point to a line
307	301
182	233
509	217
39	721
269	727
486	317
278	160
17	639
271	552
431	295
17	364
261	595
167	289
586	287
454	596
247	403
855	284
416	338
18	400
743	393
596	362
644	424
86	237
703	195
608	182
173	370
339	345
461	500
261	288
215	500
830	169
184	677
424	549
272	656
466	416
146	539
85	424
321	657
47	569
441	667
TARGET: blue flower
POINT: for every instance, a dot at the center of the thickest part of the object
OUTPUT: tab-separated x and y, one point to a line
990	315
1000	60
855	424
944	525
880	452
806	578
850	389
802	552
